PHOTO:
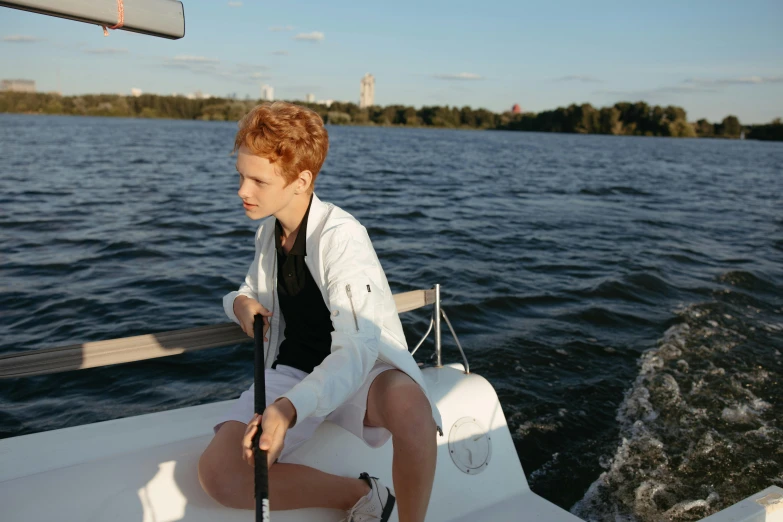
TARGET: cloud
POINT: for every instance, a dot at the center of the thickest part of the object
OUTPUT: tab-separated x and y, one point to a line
458	76
201	65
21	38
684	89
244	66
280	53
195	64
693	86
106	50
278	29
745	80
315	36
186	58
235	4
578	78
657	92
620	93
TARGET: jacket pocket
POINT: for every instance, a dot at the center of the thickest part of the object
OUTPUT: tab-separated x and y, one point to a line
356	308
353	308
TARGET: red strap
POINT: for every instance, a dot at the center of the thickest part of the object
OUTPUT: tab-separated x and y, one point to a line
120	18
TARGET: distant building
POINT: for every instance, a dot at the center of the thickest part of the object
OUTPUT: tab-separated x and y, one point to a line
327	103
198	95
516	109
311	98
267	93
136	92
367	94
18	85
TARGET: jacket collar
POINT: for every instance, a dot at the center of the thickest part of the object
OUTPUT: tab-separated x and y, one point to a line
317	214
299	243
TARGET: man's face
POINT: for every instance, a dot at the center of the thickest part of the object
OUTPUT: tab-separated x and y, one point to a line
263	191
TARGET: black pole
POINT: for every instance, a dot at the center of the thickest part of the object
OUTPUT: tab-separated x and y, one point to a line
259	455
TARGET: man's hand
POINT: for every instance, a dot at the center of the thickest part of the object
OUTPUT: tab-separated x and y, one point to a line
246	309
275	421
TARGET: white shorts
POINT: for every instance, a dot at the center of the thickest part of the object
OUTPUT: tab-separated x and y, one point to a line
349	415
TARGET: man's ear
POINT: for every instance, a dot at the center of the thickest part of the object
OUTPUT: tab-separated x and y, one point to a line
304	182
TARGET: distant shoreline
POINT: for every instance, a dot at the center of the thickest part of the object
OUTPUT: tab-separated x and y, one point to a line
361	125
621	119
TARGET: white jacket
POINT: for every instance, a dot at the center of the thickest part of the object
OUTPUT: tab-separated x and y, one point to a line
346	269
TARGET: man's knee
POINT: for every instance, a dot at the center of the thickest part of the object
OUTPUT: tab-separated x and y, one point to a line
214	478
220	471
408	413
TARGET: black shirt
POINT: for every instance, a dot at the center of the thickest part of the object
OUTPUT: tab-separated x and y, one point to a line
308	326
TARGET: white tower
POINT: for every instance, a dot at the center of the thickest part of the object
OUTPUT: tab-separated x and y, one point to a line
267	93
311	98
367	95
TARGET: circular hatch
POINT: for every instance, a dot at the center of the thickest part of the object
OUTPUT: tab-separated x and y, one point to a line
469	446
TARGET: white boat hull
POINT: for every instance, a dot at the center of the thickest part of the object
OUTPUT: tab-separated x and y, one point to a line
144	468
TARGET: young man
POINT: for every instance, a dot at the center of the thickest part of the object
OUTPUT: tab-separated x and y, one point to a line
334	344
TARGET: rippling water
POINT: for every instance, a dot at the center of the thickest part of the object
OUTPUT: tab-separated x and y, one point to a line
624	295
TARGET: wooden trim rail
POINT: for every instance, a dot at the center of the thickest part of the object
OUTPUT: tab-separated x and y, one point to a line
149	346
408	301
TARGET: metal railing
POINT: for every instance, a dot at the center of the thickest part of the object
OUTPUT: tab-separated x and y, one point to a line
437	313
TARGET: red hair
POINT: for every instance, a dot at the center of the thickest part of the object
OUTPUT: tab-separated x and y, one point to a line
291	136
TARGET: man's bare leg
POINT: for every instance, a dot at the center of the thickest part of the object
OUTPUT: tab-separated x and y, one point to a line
398	404
227	478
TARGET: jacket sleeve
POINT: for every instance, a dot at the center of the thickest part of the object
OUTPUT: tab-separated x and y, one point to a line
356	296
249	286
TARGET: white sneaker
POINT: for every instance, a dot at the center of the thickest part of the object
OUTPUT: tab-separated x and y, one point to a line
377	505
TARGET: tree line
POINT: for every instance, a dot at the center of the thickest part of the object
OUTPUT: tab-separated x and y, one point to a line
625	118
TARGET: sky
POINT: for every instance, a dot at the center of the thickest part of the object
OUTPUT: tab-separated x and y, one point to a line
713	58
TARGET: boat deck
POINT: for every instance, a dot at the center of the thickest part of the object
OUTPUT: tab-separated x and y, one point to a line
144	468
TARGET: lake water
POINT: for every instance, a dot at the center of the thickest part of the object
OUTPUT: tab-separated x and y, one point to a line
624	295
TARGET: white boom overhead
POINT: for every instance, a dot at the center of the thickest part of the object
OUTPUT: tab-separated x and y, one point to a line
164	18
